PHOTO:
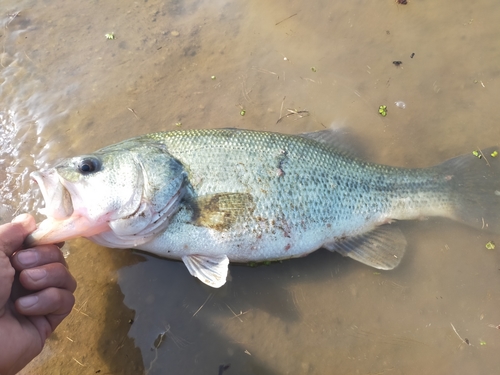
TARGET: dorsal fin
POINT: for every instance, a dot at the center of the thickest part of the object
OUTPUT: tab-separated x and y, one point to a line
338	139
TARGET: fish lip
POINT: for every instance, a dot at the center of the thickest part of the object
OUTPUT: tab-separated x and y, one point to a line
57	198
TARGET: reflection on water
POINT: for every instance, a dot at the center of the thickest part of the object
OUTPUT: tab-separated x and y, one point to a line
65	89
29	108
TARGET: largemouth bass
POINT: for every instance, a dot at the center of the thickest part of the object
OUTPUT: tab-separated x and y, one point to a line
208	197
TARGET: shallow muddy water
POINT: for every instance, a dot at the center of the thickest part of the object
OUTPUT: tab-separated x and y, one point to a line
66	89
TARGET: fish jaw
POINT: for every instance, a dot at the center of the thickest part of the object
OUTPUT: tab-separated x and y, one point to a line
52	230
58	203
63	222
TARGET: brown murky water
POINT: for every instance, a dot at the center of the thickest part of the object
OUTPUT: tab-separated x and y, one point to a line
65	89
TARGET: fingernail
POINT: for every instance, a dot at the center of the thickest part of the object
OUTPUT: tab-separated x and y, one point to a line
36	273
27	257
28	301
20	218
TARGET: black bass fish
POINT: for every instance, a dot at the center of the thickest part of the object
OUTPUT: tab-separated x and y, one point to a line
208	197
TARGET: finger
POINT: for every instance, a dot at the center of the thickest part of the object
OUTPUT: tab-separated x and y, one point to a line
6	280
37	256
47	276
46	324
13	234
51	301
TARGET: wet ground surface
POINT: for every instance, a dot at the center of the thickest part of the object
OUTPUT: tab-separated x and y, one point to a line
66	89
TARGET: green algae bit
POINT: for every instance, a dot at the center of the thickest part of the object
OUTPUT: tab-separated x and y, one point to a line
382	110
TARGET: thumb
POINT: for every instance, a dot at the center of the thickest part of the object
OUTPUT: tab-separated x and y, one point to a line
13	234
11	238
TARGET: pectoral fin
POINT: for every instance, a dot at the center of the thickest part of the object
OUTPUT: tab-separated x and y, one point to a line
212	270
381	248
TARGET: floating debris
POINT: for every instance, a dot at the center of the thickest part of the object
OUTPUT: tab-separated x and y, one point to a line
477	154
412	55
242	112
159	340
464	340
494	154
213	77
313	69
293	15
110	36
490	245
400	104
382	110
397	62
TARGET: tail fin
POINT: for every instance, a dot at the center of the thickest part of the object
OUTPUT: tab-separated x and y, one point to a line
475	188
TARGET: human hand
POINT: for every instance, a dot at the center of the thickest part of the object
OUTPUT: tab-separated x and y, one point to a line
35	300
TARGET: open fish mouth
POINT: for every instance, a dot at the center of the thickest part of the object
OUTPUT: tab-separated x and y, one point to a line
62	222
69	214
58	203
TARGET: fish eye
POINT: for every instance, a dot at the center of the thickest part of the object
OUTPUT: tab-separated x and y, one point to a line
89	165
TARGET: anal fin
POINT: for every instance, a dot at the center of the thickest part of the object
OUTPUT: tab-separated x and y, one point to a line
211	270
382	248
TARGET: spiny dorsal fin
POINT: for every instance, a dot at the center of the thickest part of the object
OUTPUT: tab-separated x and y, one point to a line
338	139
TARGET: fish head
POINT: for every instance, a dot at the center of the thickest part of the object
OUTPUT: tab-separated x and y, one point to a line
120	196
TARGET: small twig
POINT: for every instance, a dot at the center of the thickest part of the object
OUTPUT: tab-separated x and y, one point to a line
460	337
293	15
244	92
260	70
81	308
301	114
81	364
12	16
135	114
27	56
484	157
309	79
236	315
204	303
159	339
281	109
